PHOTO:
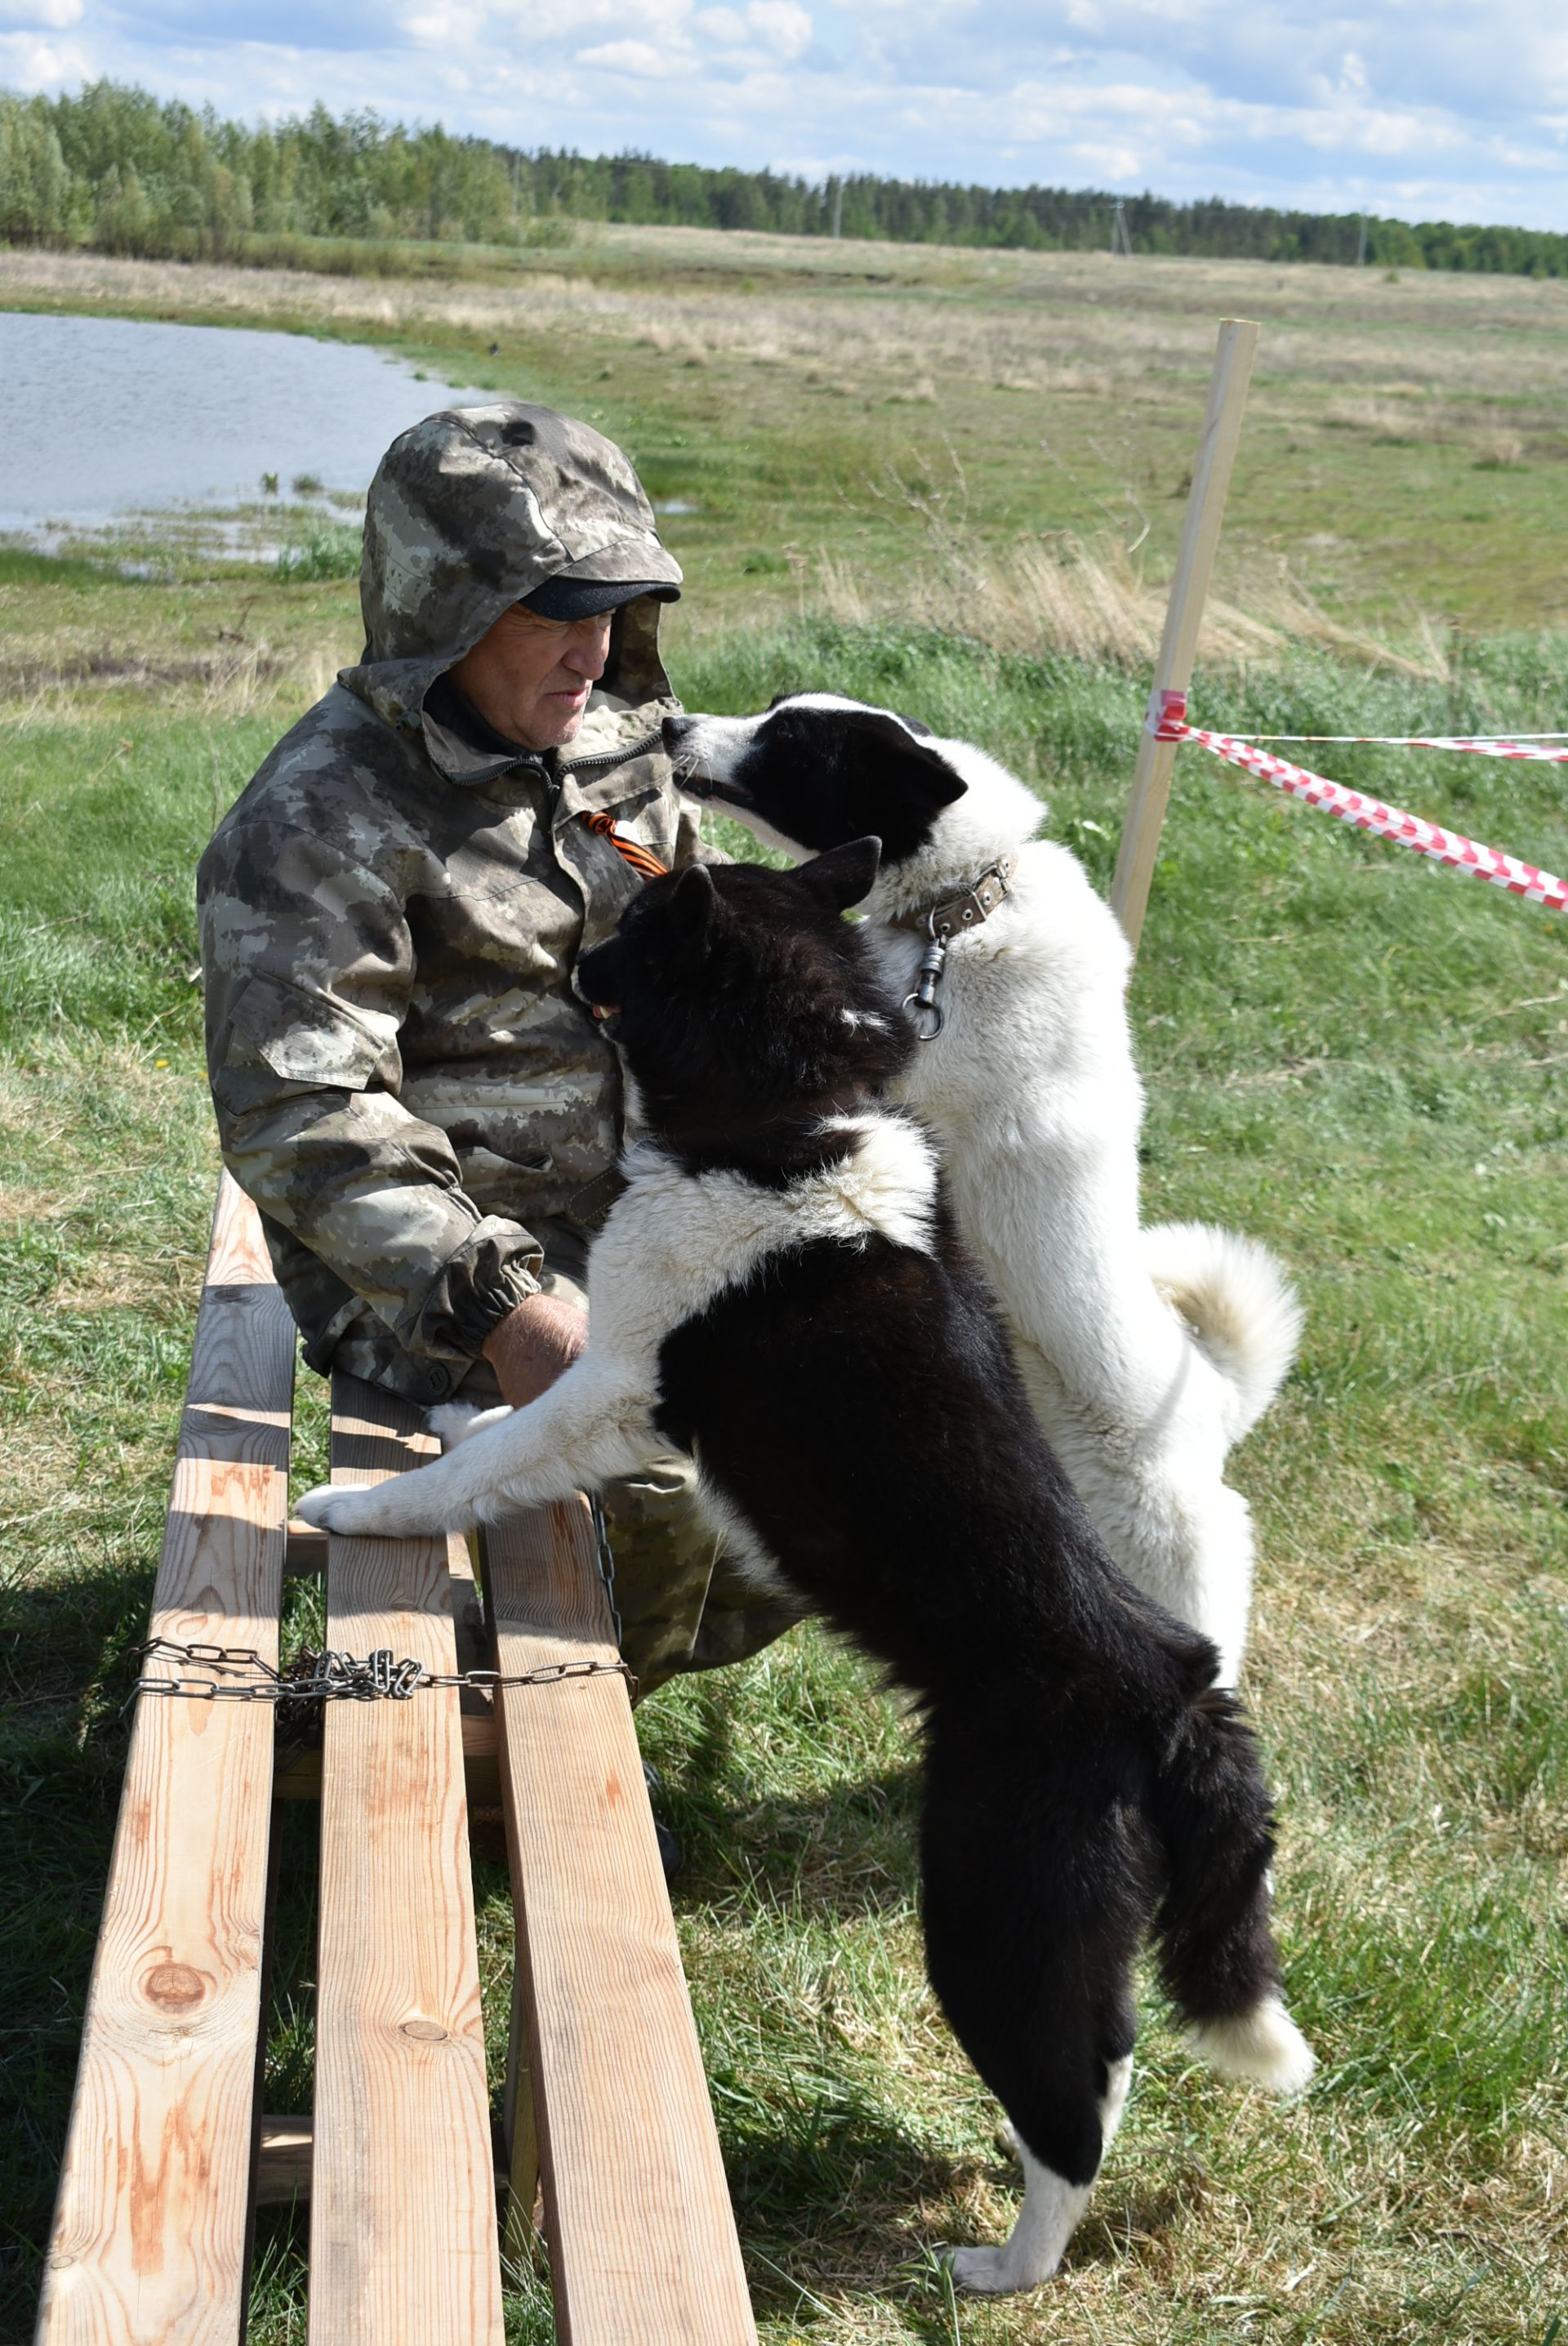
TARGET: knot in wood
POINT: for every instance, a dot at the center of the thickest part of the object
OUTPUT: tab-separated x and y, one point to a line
175	1986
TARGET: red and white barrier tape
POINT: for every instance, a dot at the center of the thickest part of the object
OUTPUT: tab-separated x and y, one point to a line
1517	745
1168	722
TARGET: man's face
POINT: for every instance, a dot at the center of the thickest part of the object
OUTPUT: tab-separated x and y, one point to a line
530	677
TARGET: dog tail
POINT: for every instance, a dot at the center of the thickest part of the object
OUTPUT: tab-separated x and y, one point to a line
1217	1949
1242	1310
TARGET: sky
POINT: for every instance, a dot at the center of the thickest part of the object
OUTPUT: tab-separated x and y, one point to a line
1419	109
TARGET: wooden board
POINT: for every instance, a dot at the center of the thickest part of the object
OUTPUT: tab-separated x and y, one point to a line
643	2250
298	1774
403	2248
148	2242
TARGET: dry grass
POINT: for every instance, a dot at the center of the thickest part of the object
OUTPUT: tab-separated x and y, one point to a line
73	656
1400	426
1499	452
1090	600
1397	421
1072	323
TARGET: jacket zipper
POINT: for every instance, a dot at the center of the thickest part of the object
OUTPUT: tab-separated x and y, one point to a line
613	757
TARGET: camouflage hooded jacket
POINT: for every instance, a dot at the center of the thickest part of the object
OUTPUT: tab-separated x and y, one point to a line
391	913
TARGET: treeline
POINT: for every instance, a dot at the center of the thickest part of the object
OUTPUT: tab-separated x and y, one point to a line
121	171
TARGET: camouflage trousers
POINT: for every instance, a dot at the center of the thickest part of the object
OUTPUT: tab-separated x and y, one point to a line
682	1605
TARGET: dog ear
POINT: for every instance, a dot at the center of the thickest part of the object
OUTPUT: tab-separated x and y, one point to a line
692	905
844	874
939	784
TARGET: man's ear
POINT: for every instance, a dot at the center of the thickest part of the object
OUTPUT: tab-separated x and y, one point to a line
937	782
844	874
692	905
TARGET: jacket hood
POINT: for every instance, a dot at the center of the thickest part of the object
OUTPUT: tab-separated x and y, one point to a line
478	506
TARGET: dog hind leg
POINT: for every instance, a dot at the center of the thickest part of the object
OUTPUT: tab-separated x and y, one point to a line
1053	2206
1170	1522
1216	1945
1033	1908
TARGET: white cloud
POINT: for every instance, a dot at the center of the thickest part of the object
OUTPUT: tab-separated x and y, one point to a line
640	60
781	26
30	62
42	15
443	27
815	167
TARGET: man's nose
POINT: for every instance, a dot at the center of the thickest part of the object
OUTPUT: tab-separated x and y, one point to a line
586	651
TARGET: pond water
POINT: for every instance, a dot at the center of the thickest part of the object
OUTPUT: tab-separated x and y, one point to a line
100	417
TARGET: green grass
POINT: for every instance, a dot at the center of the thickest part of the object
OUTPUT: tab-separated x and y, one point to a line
321	548
1353	1055
1356	1057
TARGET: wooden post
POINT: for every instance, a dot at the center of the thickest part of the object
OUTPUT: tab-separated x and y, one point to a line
1211	472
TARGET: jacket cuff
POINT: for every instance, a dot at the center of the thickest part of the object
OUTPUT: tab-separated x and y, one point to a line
474	1291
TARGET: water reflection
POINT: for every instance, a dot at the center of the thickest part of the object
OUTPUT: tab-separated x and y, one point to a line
104	417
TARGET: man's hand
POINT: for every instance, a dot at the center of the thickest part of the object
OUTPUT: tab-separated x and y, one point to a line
537	1341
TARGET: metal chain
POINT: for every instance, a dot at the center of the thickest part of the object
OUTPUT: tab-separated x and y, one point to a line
608	1568
336	1677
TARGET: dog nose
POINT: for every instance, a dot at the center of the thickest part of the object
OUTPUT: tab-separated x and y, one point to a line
675	730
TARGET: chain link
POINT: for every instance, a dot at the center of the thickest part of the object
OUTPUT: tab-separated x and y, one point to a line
335	1677
607	1564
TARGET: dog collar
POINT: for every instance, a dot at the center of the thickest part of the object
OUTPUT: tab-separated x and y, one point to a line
589	1207
939	923
946	919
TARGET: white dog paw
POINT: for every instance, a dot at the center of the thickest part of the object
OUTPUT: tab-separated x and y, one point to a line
451	1421
454	1421
990	2272
330	1509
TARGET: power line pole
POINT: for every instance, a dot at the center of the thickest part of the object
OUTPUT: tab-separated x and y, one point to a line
838	207
1121	242
1362	244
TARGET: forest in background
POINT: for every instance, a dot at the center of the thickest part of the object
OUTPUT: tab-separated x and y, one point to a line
116	170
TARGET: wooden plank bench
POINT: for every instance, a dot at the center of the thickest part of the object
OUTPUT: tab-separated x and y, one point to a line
168	2150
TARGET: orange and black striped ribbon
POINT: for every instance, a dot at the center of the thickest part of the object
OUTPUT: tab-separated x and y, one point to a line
641	859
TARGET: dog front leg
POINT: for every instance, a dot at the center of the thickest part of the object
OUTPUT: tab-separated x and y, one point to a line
588	1427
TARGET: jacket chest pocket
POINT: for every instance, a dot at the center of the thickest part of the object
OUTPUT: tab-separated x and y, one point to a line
518	923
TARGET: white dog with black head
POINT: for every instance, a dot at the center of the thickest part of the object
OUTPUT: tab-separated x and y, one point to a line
1148	1353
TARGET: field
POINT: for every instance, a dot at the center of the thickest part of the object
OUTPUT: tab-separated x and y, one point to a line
951	483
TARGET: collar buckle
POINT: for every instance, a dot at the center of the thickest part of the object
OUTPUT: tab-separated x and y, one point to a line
951	915
939	923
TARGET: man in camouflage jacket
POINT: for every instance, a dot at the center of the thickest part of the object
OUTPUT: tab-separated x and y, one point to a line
406	1082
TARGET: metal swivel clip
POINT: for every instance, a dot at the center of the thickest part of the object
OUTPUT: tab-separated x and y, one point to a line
922	1001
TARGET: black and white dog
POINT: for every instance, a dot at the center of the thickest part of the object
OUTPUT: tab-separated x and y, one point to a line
1147	1352
781	1292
